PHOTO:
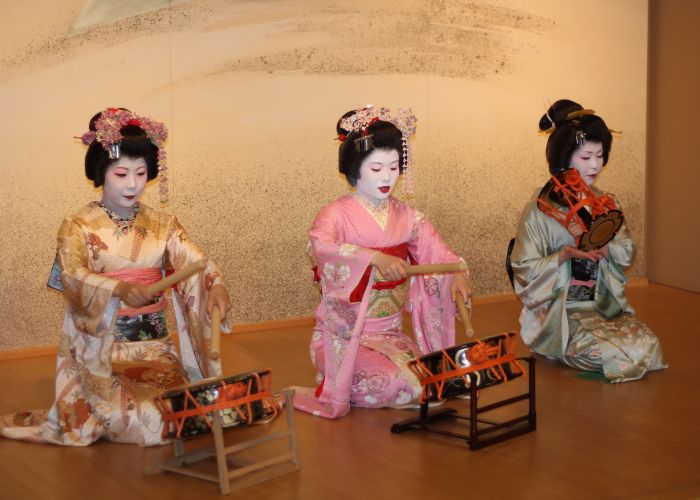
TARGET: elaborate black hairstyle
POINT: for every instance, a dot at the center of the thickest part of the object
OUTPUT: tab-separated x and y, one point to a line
135	144
385	135
566	118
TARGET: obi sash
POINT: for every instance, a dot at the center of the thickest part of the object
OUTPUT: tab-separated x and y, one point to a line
143	276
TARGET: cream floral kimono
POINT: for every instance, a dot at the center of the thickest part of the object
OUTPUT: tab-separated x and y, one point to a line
105	385
585	321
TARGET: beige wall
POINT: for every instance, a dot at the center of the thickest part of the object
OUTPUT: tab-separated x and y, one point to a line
251	91
673	216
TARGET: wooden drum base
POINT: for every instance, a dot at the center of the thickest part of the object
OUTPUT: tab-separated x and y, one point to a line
481	432
243	473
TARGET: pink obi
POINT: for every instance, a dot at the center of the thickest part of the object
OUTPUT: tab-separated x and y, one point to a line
142	276
588	283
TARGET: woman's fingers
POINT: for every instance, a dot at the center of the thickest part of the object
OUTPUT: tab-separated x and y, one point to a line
394	268
218	296
135	295
460	285
223	304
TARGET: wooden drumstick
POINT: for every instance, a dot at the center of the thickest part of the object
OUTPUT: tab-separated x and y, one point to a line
454	267
215	352
468	328
177	276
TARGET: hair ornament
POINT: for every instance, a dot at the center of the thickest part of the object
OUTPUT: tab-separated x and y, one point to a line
569	117
364	143
578	114
580	138
108	133
403	119
554	125
573	117
114	151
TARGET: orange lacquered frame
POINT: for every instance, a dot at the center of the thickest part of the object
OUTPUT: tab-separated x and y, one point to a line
577	194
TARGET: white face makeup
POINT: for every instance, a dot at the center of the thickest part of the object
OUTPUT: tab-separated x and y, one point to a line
125	180
379	173
588	160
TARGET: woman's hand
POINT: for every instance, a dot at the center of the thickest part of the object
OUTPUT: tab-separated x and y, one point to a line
133	294
460	285
569	252
218	295
392	268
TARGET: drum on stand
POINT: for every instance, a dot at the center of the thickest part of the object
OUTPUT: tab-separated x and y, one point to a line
445	374
463	370
241	399
568	199
217	403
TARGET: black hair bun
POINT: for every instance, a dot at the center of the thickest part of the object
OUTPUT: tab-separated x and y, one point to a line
557	113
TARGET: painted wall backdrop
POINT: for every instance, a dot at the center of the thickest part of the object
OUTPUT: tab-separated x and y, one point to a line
251	91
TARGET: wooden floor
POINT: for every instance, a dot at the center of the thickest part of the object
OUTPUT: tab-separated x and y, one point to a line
634	440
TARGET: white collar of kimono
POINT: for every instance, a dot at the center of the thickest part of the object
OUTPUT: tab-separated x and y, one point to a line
380	213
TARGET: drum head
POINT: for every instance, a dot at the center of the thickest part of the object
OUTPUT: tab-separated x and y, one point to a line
602	230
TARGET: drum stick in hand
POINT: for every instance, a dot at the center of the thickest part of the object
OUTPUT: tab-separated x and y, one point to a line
454	267
177	276
215	352
468	328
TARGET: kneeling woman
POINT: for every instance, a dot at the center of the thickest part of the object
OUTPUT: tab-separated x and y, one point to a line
574	301
361	244
115	353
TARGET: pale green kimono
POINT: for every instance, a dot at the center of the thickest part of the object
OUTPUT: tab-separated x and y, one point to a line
602	334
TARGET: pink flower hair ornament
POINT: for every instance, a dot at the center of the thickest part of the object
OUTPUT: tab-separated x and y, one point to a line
108	133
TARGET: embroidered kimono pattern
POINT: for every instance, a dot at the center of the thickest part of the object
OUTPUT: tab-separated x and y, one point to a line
577	312
106	373
358	347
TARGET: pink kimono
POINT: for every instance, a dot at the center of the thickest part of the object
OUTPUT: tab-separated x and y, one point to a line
358	346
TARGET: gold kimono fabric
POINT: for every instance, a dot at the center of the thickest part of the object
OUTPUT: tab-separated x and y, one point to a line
600	335
105	389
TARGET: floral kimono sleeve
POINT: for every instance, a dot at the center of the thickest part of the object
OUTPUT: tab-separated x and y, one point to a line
432	309
610	291
341	265
84	367
89	294
191	304
535	260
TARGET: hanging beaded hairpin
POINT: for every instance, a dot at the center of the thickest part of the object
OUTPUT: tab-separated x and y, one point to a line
108	133
403	119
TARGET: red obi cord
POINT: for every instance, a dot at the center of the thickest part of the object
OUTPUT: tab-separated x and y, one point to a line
400	251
